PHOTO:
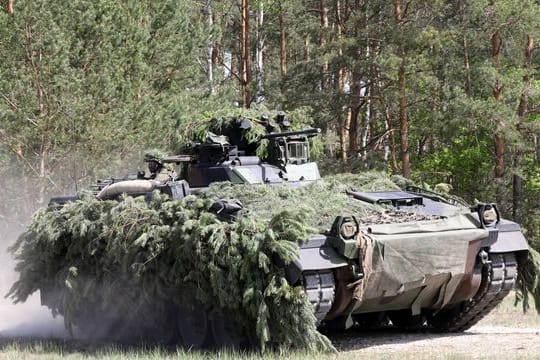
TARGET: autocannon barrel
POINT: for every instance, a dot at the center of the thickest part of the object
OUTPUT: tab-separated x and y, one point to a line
306	132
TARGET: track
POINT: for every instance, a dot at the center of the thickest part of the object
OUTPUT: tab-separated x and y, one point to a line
498	278
320	287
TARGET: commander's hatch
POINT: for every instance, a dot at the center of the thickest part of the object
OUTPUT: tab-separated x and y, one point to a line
394	198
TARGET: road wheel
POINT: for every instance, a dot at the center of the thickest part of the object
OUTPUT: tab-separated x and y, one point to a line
405	320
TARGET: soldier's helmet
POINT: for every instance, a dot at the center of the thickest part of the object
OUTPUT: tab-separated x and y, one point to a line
154	155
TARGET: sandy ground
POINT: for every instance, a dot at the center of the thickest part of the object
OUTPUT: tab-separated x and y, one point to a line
481	341
506	333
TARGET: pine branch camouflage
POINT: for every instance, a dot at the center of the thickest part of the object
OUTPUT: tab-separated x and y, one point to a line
101	256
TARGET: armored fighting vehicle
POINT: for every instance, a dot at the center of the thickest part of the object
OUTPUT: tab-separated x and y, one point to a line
443	270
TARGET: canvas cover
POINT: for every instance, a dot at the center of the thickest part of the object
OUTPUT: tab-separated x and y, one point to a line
430	256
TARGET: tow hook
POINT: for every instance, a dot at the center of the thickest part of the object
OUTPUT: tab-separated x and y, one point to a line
484	257
358	275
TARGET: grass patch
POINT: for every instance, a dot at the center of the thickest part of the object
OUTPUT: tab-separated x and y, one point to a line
56	349
510	314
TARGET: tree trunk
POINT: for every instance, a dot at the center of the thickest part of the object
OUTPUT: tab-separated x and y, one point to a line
357	91
9	6
400	12
43	151
244	79
536	142
342	138
466	55
390	143
282	44
523	109
355	112
499	140
341	81
210	47
307	49
366	133
323	10
260	55
467	65
404	123
34	58
496	46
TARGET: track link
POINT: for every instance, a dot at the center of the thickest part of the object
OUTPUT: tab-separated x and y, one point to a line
498	278
320	289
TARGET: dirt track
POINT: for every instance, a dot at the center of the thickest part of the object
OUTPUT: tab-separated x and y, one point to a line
480	341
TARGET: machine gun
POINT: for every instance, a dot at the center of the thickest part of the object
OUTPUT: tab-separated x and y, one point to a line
177	159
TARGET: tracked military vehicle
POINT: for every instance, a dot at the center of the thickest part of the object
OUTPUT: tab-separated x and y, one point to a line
442	268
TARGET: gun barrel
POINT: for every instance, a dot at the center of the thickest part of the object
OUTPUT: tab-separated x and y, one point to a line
178	159
307	132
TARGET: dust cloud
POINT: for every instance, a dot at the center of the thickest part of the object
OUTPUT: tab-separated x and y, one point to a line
28	319
18	201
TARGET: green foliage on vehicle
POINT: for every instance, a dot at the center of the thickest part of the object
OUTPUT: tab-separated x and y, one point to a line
100	256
